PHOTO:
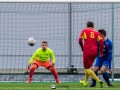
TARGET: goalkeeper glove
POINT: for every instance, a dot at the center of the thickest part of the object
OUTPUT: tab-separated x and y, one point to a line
53	64
28	67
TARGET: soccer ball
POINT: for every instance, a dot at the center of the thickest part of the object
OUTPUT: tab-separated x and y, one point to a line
31	41
53	86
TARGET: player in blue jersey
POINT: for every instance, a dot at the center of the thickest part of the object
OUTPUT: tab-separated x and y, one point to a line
103	63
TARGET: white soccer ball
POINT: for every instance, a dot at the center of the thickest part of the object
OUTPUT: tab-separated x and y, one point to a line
53	86
31	41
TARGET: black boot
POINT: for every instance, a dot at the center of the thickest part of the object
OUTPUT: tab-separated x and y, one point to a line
93	85
110	85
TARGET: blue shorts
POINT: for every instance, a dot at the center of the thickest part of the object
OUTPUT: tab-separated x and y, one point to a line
101	62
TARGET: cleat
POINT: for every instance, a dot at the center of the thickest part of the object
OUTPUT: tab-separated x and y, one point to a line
93	85
101	84
28	81
83	83
58	82
110	85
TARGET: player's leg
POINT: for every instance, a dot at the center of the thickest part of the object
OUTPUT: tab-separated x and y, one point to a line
86	64
84	82
34	66
52	68
96	68
93	75
90	57
104	73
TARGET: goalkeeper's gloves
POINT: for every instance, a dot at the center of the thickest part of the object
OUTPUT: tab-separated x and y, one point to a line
53	64
28	67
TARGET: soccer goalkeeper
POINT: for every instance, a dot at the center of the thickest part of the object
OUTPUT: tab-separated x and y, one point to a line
91	38
41	58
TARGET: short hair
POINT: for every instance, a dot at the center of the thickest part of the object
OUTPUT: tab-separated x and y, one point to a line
102	31
90	24
45	42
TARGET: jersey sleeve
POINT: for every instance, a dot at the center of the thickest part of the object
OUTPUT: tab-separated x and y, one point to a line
83	35
80	39
52	56
99	37
100	40
33	57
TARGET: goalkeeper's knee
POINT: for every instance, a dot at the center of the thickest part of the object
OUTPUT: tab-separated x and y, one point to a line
33	67
52	68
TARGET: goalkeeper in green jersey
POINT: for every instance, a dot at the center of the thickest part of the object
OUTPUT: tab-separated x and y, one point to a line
41	57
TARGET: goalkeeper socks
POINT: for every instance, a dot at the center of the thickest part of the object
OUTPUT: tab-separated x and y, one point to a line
92	74
106	77
33	67
55	74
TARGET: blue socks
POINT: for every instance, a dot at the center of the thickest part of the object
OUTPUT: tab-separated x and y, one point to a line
106	77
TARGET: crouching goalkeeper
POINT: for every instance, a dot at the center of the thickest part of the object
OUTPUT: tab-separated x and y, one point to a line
41	58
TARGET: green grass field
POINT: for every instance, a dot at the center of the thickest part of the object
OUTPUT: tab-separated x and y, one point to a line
47	86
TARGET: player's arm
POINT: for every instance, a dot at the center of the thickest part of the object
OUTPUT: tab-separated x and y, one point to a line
52	56
110	61
31	61
109	52
109	46
80	40
33	57
101	44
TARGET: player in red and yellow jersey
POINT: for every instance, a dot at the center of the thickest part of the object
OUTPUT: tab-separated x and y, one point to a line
90	49
42	57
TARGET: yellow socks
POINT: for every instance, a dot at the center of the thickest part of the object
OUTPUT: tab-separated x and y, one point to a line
86	77
92	74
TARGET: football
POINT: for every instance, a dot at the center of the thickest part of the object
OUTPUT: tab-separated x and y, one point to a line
53	86
31	41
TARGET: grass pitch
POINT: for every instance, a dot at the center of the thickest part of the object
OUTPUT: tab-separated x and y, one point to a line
47	86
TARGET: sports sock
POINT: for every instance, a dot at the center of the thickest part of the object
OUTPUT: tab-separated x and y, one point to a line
86	76
92	74
55	74
106	77
33	67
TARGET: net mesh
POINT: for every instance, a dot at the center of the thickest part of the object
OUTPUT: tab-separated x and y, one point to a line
51	22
